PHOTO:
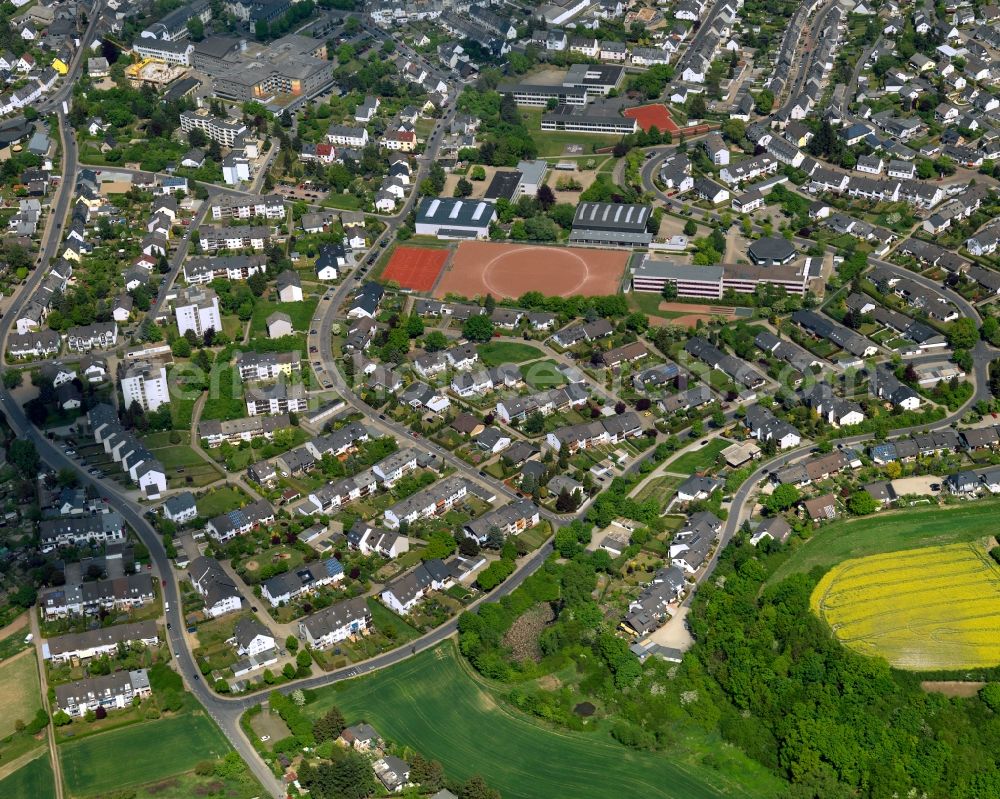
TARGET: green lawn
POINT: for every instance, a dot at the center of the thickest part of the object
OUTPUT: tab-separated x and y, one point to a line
649	304
300	312
542	375
659	488
226	401
698	459
498	352
20	692
536	536
14	643
139	754
345	202
553	143
890	531
384	619
177	455
33	779
431	703
221	500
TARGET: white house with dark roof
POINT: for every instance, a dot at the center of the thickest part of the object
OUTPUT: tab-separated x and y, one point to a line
404	593
112	692
216	587
336	623
283	588
180	508
251	637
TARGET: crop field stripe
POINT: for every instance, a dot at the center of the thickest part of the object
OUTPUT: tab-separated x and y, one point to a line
34	780
893	532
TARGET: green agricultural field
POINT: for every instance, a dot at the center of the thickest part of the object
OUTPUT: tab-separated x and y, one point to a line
430	702
20	692
922	609
698	459
139	754
498	352
891	531
33	779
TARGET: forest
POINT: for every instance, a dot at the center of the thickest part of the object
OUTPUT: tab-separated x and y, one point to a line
831	722
765	674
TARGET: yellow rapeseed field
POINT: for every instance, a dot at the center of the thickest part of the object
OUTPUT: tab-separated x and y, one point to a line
920	609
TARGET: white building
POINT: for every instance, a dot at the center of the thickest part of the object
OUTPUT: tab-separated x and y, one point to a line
112	692
235	169
197	309
218	130
336	623
146	384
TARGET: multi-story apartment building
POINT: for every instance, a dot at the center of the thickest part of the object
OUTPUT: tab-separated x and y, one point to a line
197	309
146	384
218	130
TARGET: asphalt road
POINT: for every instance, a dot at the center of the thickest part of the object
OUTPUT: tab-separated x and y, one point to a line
806	55
178	258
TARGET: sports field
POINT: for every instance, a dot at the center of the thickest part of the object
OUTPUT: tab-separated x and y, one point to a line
651	116
431	703
138	754
32	780
415	268
921	609
891	531
20	692
510	270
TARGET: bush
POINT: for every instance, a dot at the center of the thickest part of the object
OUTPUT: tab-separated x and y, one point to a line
38	723
298	723
204	768
630	735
